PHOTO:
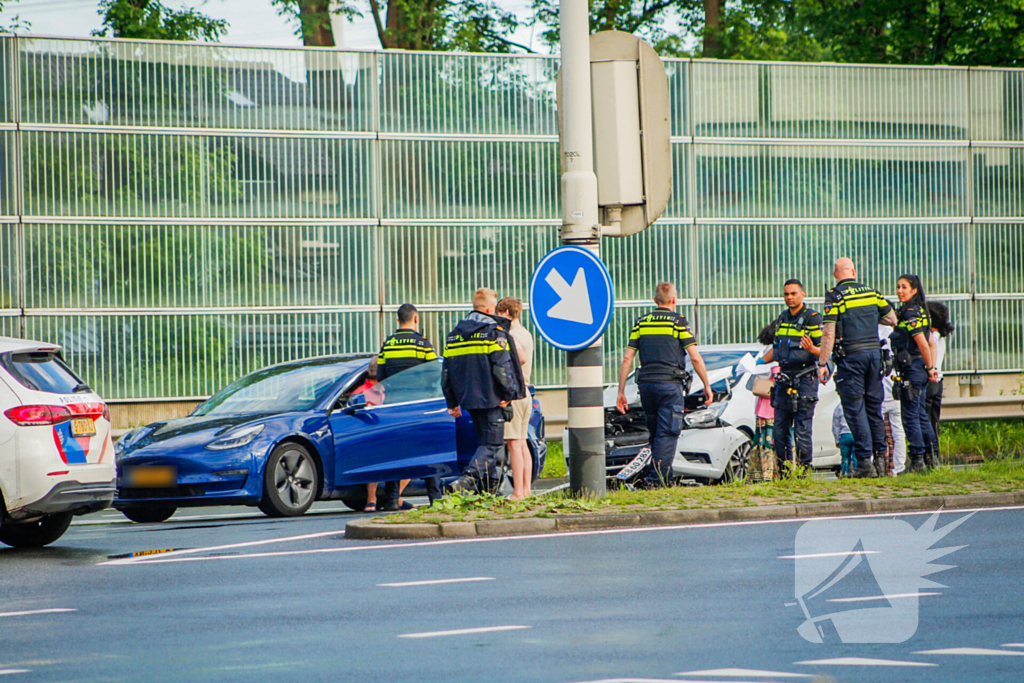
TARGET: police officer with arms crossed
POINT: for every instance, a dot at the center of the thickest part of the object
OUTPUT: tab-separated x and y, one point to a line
916	367
796	350
405	349
661	337
482	374
852	314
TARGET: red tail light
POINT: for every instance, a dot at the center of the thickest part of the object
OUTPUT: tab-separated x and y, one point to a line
90	409
32	416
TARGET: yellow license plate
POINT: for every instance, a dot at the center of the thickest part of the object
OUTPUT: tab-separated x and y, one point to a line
83	426
152	477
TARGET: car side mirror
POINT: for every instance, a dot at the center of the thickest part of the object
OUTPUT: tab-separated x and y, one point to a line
356	403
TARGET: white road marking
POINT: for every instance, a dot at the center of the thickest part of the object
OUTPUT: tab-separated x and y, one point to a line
642	680
104	520
462	631
161	559
25	613
1013	644
864	661
436	582
841	554
882	597
742	672
229	546
971	651
7	672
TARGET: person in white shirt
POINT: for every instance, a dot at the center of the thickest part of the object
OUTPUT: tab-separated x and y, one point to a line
892	416
517	429
941	328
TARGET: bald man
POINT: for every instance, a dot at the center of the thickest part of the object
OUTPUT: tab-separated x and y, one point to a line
853	312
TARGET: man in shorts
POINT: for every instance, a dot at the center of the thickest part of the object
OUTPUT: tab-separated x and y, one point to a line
516	428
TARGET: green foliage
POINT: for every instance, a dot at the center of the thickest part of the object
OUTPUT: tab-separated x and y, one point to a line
1000	438
16	22
312	19
644	18
554	464
152	20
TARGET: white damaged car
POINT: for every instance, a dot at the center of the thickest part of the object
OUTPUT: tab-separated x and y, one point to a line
716	441
56	454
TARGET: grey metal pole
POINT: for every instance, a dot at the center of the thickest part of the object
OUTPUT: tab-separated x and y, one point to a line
581	227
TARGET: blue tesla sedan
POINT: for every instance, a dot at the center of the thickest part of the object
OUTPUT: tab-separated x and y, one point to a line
287	435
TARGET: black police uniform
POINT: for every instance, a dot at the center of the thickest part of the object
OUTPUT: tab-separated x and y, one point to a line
913	321
481	369
856	310
798	375
661	338
403	350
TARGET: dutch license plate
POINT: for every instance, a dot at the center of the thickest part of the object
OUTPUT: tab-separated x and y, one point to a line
152	477
83	426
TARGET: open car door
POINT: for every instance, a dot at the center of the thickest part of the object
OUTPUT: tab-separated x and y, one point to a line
399	429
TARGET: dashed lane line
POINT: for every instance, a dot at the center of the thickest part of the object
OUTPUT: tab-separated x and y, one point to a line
8	672
840	554
463	631
25	613
894	596
436	582
862	661
740	673
216	548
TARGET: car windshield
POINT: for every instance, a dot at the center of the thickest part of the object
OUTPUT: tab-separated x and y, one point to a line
721	358
280	389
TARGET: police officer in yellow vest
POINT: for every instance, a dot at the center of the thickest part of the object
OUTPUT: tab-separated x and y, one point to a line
795	348
663	339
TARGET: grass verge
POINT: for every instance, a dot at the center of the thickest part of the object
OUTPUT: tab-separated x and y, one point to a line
999	475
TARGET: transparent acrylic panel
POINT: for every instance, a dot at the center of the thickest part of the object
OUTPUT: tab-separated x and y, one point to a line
661	253
8	173
153	356
135	83
10	272
997	104
780	181
733	323
959	356
678	72
679	202
446	264
998	181
471	94
140	175
8	75
187	266
466	180
10	325
816	101
999	253
1000	330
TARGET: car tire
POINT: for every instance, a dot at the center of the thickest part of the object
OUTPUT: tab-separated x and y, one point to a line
34	534
149	515
290	482
739	464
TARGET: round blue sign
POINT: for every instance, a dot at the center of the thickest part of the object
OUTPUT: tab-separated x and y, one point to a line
571	298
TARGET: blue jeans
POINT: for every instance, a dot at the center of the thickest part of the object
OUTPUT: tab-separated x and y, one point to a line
801	420
846	449
859	385
915	418
664	404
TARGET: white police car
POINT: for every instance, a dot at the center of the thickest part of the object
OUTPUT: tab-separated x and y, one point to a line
56	455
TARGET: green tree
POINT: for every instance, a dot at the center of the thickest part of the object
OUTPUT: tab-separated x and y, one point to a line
312	18
152	20
16	22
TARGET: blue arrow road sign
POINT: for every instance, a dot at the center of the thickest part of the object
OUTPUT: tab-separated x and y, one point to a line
571	298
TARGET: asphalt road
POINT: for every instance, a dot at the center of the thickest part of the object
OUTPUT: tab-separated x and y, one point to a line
246	598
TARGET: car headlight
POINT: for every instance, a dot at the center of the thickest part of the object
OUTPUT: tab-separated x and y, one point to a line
705	417
129	439
236	439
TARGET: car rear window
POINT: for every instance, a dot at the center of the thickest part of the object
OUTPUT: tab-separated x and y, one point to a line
43	371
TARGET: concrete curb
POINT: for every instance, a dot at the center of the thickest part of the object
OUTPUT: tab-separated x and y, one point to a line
366	529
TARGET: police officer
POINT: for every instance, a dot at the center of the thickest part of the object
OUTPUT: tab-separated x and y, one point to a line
482	374
915	366
405	349
662	337
853	312
795	348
